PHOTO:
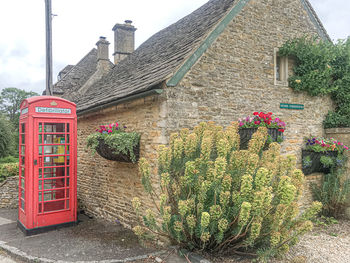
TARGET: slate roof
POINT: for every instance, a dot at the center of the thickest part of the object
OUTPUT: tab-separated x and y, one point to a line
77	75
156	58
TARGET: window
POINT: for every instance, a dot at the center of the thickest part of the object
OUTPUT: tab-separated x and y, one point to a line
281	69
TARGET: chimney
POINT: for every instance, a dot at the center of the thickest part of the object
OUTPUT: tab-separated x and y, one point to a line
102	49
103	62
124	40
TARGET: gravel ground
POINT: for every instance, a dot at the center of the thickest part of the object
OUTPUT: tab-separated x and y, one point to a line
323	245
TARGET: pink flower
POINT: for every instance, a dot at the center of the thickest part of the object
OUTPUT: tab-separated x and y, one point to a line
241	124
346	147
116	124
109	131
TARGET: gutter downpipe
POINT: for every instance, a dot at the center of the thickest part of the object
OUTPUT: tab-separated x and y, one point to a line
122	100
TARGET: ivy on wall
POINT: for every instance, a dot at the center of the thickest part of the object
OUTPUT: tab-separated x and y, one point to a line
322	68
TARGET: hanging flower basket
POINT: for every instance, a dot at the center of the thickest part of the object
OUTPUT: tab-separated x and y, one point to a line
316	149
246	134
249	125
312	161
113	143
105	151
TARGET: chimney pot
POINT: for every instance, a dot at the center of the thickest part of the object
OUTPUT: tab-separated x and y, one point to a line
128	22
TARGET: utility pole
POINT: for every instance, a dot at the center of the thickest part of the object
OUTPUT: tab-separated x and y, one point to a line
48	18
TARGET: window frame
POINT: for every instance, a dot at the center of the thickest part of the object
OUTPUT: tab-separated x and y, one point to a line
284	70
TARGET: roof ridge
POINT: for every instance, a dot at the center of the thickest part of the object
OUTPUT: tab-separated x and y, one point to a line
317	19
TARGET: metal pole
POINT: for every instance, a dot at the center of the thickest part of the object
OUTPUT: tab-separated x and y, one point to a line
48	18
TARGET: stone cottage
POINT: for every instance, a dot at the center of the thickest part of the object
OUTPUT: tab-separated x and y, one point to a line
219	63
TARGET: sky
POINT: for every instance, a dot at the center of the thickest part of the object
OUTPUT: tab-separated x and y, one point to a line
79	24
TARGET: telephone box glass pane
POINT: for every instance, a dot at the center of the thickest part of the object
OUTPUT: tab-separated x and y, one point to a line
51	150
54	194
54	206
54	139
54	127
23	128
67	204
67	171
67	127
23	150
54	161
23	172
22	204
23	139
55	183
22	160
53	172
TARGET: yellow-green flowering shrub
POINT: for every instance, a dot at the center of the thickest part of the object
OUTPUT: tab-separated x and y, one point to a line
219	198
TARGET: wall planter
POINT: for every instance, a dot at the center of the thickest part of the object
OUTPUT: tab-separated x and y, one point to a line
249	125
113	143
247	133
107	152
312	161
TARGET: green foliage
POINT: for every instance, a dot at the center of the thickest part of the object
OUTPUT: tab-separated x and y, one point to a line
327	161
6	138
216	197
7	170
333	192
322	68
9	159
11	99
325	221
122	142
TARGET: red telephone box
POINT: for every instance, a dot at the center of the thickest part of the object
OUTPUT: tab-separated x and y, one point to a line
48	164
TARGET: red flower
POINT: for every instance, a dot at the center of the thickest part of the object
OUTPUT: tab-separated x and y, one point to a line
269	113
257	122
109	131
281	130
116	124
256	113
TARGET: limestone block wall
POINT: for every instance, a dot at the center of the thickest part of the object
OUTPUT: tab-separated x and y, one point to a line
106	188
235	76
9	193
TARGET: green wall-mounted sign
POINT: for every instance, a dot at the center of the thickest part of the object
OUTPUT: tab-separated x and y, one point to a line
291	106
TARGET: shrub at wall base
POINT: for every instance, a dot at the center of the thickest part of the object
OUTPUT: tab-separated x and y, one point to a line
218	198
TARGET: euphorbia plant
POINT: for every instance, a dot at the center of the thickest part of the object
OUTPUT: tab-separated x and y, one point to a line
218	198
115	136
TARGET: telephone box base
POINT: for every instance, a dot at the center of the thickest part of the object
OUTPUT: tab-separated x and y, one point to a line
39	230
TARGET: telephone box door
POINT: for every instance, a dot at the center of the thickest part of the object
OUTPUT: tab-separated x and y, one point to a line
54	187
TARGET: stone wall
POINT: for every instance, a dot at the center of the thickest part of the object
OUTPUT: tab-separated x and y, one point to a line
106	188
235	77
9	193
